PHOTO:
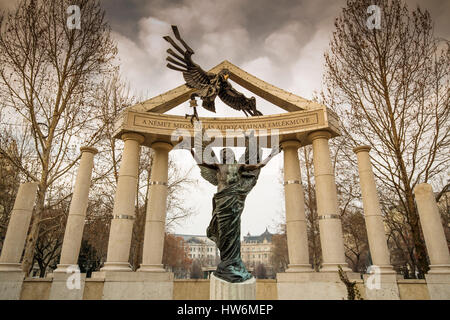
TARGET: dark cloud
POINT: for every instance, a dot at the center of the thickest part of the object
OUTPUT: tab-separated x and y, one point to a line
280	41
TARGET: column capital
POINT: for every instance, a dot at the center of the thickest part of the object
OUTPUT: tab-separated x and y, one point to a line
89	149
133	136
321	134
362	149
162	145
291	144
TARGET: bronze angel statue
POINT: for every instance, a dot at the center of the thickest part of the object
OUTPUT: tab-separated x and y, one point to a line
234	181
207	85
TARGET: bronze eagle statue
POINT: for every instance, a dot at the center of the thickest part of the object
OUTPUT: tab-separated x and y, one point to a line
207	85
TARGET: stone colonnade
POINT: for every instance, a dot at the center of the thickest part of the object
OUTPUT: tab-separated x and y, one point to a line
327	206
124	208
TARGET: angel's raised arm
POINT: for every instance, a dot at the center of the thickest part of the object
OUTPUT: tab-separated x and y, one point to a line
201	163
251	167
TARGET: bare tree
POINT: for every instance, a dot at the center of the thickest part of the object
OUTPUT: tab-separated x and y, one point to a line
260	271
48	75
176	255
390	87
196	270
279	258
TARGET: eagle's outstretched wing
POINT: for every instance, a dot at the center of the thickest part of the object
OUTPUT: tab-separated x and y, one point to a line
193	74
238	101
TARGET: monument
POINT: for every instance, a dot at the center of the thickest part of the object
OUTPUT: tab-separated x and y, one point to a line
145	125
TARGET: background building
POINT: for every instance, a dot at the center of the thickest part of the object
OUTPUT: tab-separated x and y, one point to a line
202	250
257	250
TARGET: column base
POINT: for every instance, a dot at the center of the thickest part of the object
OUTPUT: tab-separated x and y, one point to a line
438	285
333	267
11	283
10	267
151	268
223	290
117	266
299	268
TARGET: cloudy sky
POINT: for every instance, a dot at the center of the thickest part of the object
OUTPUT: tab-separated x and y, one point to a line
281	42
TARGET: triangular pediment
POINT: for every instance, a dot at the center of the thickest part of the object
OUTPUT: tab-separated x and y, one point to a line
279	97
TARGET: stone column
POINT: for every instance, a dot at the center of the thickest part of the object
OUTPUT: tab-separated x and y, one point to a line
77	212
372	212
124	206
156	210
432	228
295	210
18	228
331	238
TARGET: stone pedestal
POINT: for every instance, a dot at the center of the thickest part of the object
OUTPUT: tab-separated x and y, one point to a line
136	285
224	290
381	287
11	285
67	286
438	286
312	285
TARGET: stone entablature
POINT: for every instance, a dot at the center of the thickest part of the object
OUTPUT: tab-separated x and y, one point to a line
289	126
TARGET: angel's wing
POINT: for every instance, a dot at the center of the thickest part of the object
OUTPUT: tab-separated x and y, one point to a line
193	74
200	147
238	101
209	174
